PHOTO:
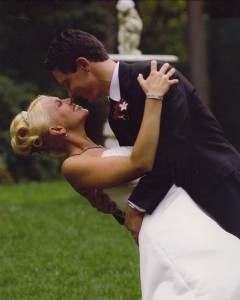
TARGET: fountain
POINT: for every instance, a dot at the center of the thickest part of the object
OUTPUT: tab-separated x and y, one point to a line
129	34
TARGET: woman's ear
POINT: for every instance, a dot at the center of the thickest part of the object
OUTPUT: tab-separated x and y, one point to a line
57	130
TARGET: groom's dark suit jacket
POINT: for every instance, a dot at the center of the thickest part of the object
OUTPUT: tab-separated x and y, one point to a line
193	151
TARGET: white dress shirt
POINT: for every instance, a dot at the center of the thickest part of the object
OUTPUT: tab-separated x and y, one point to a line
115	95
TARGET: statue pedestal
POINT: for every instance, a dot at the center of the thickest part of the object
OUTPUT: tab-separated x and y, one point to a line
110	140
143	57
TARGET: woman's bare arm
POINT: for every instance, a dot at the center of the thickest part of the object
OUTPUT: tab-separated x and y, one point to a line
96	172
145	147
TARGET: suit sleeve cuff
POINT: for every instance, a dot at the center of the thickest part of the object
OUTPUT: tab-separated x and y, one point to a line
134	206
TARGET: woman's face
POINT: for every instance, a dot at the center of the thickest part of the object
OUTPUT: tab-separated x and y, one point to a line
64	112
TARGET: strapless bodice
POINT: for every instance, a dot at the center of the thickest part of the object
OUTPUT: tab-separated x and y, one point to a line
120	193
118	151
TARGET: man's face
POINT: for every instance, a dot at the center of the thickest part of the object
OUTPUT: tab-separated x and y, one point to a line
80	83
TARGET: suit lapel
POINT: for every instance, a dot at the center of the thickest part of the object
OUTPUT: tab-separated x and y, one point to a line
118	115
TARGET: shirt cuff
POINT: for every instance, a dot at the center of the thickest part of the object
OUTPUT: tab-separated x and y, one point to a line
132	205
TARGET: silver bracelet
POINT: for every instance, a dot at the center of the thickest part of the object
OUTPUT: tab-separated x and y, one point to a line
156	97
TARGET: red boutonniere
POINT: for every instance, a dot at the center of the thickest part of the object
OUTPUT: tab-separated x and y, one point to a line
120	110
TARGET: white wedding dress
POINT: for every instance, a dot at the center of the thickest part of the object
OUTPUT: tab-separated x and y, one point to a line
184	254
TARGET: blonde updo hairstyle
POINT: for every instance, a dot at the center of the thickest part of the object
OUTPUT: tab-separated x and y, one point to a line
32	135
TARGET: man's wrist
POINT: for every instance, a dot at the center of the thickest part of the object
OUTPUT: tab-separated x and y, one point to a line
135	207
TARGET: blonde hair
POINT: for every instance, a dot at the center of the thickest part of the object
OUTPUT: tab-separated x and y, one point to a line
32	135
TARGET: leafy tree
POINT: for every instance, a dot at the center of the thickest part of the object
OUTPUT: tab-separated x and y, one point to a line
26	29
224	48
28	26
13	99
164	30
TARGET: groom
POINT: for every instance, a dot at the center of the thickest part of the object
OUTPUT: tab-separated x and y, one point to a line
193	151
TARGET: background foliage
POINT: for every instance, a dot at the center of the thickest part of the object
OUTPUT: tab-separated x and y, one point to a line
224	60
28	26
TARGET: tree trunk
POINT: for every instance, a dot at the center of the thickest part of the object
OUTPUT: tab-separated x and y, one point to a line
111	26
198	49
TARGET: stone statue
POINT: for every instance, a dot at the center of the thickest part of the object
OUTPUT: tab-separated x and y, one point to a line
130	27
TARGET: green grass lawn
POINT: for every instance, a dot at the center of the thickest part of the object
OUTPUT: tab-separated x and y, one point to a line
54	245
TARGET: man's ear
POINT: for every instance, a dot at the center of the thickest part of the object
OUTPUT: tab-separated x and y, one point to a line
83	63
57	130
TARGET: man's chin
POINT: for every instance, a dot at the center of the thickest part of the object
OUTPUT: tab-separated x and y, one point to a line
92	99
89	99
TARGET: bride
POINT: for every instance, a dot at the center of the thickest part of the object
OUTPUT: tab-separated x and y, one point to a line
184	254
